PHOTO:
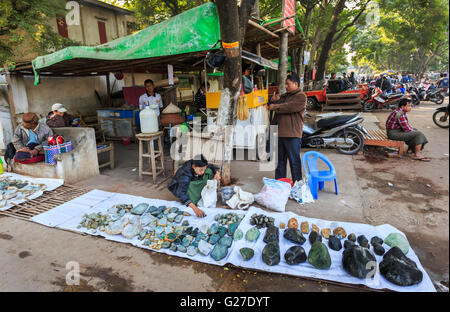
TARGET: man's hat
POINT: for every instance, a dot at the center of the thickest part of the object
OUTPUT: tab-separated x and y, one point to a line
30	118
58	107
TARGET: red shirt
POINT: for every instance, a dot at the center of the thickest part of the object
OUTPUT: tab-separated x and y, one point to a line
401	122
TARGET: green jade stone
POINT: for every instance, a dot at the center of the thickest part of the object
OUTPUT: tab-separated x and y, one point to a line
238	234
247	253
397	240
252	234
319	257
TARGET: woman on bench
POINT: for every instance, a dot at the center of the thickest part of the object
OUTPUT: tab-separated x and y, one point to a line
398	129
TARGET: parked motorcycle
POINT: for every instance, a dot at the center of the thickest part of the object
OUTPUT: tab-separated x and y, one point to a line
436	96
380	100
340	132
413	94
440	117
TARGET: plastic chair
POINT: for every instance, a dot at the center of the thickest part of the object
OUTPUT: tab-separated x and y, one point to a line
317	178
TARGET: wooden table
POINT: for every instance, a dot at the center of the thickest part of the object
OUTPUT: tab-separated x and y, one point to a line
152	154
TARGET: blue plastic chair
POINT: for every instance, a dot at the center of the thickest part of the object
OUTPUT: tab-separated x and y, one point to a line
317	178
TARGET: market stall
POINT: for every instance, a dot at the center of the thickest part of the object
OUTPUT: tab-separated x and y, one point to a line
283	243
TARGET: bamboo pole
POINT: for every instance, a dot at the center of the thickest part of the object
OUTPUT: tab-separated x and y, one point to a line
256	25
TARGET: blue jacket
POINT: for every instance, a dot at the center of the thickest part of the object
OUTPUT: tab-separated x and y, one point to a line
183	177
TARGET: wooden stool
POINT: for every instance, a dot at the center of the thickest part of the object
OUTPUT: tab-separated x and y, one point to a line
151	154
109	148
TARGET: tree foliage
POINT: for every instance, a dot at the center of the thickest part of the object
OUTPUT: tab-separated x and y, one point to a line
412	35
150	12
24	28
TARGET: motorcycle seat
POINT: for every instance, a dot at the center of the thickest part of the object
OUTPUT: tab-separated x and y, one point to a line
328	123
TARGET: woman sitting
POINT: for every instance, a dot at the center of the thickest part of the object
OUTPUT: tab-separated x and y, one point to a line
190	179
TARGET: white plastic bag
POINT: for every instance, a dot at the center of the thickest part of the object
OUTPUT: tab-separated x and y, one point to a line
274	195
209	195
301	193
240	200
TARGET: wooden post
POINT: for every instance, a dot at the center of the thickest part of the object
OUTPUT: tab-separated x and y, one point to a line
12	108
108	89
282	70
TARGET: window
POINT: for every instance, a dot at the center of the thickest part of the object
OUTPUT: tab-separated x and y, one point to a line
62	27
102	32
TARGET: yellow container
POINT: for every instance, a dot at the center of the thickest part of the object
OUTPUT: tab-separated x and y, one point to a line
254	99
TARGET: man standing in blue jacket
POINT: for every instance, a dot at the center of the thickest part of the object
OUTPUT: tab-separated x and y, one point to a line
189	181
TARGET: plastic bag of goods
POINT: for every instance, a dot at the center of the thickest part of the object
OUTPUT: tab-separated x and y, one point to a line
209	195
274	195
240	200
301	193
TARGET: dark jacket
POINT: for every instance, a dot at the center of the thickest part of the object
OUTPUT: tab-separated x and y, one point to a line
59	121
289	114
180	182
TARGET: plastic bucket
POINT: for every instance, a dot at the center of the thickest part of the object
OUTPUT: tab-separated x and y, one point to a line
126	141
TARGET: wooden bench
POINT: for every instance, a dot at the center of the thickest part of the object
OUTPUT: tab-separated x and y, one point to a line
379	138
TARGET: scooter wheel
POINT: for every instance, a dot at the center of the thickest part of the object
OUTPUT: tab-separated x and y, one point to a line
368	106
357	138
439	99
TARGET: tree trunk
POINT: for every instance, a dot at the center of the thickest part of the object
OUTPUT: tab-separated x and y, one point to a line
328	42
233	22
282	69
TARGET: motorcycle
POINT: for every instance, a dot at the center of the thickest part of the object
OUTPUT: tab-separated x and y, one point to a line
435	95
440	117
380	100
413	94
340	132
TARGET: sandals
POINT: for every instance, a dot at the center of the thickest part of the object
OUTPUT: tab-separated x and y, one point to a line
423	159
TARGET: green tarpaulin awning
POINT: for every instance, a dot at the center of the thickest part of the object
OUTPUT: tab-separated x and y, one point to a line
191	31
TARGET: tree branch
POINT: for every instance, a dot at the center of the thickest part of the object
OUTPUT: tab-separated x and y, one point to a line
355	19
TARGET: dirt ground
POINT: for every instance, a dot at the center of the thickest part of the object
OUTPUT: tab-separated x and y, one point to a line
34	257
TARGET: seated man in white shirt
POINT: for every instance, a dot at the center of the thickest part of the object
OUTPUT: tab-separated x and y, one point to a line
150	97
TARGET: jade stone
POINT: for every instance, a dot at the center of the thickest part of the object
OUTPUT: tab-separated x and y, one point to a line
165	245
232	228
174	210
191	251
214	239
171	216
247	253
173	247
226	241
204	248
397	240
185	223
181	248
319	257
213	229
222	231
238	235
252	234
178	218
219	252
271	253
